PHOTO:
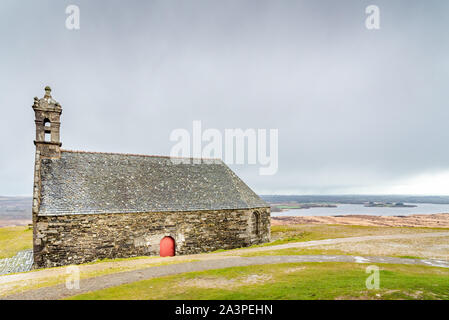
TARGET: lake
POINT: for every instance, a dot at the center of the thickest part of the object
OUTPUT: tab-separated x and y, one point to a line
346	209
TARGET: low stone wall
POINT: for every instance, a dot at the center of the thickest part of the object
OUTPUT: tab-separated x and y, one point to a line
74	239
21	262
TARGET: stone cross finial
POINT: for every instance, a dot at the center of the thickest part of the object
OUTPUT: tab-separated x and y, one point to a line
47	92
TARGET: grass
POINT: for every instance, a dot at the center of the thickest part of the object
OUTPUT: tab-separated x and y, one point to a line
14	239
293	252
309	251
334	280
120	259
410	257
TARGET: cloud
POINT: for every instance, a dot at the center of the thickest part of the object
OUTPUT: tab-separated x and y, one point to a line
357	110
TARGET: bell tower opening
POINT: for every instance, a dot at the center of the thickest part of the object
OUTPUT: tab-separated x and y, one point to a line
47	130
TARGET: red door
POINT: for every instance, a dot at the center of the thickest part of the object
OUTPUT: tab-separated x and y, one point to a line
167	247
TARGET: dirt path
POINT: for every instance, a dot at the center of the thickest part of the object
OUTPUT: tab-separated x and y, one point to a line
206	262
98	283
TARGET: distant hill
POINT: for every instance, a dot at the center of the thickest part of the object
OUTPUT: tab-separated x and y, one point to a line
15	208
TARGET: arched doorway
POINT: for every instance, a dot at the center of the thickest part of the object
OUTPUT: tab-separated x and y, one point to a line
167	247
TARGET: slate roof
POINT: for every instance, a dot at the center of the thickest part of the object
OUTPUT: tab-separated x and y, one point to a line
93	183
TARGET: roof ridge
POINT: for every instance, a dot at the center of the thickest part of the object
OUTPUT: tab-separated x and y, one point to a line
138	155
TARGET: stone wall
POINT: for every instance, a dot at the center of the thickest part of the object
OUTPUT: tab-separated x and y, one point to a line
74	239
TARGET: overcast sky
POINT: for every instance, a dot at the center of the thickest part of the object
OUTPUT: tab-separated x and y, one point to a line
358	110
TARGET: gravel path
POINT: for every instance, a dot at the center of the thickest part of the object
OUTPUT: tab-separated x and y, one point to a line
98	283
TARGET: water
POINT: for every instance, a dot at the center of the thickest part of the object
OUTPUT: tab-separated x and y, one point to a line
346	209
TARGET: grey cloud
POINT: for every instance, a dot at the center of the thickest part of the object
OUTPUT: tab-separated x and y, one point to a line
355	108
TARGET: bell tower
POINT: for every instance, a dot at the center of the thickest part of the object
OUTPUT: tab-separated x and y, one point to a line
47	118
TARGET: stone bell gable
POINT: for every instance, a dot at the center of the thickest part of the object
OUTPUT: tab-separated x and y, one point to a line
47	119
89	205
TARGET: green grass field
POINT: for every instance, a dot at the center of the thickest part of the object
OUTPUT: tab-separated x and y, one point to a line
14	239
288	281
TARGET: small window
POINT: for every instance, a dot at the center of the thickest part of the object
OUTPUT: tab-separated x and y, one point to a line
47	136
47	123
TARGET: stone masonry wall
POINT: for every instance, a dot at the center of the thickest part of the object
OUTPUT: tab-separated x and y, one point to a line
75	239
